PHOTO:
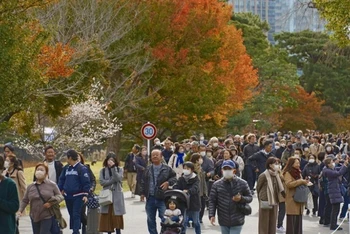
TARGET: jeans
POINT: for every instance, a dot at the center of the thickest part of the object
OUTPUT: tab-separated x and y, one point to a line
152	205
345	206
281	214
194	216
42	227
74	207
334	215
231	230
250	176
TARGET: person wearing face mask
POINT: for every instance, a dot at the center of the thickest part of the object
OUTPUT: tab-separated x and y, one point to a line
177	160
238	160
141	163
268	187
329	149
279	148
197	160
287	153
41	195
225	195
202	139
189	183
15	172
157	144
9	202
249	167
312	171
316	147
334	192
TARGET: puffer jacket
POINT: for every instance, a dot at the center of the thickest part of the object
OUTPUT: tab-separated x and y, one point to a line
333	183
221	201
166	174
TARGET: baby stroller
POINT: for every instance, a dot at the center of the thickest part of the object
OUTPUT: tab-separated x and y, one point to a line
183	202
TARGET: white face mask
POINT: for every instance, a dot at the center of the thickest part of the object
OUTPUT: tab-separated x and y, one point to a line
157	142
227	174
209	154
201	138
6	164
329	148
311	160
186	172
203	153
297	155
306	149
40	175
215	145
200	161
333	165
277	147
276	167
283	145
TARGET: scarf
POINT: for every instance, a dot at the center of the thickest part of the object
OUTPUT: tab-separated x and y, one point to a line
190	176
179	159
295	173
270	190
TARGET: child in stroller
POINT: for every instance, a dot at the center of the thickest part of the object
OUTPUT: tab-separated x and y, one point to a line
172	214
177	202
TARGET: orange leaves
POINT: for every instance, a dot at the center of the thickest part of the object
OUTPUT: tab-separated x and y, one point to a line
53	61
303	113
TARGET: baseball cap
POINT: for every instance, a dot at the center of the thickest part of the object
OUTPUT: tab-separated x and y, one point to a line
228	163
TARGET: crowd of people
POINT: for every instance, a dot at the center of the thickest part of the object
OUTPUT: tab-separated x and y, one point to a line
220	175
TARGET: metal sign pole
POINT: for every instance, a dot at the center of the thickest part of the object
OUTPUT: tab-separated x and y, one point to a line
149	148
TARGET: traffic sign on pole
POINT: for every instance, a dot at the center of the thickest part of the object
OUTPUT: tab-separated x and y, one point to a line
148	131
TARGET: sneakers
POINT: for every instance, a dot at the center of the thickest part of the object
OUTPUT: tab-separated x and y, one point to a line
281	229
335	228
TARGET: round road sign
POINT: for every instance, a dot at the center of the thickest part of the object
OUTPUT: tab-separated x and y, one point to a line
148	131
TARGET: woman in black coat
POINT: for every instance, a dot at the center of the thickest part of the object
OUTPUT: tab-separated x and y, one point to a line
189	183
312	171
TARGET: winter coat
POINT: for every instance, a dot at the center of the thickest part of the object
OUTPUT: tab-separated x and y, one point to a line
192	186
220	201
167	154
141	165
313	171
109	178
292	207
278	153
9	205
287	153
18	177
129	165
238	160
260	158
334	183
165	174
248	151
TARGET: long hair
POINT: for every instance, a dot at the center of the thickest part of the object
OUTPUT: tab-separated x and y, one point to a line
111	155
289	166
16	164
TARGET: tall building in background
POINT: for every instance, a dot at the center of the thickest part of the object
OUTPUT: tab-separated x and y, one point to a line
282	15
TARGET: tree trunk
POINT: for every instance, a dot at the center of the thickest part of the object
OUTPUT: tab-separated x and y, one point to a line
113	144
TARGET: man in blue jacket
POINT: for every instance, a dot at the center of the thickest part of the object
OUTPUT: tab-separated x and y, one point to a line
74	184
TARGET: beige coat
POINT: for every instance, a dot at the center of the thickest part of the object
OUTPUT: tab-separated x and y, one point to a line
292	207
18	177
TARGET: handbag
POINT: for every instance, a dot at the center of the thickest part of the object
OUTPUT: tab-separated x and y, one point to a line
106	197
265	205
301	194
93	201
245	208
58	222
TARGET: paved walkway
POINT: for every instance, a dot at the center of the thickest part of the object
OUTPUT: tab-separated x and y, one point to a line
135	221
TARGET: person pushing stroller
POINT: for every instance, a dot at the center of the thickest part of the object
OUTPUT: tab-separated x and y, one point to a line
189	183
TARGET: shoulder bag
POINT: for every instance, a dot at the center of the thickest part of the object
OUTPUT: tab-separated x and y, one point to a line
301	194
106	197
